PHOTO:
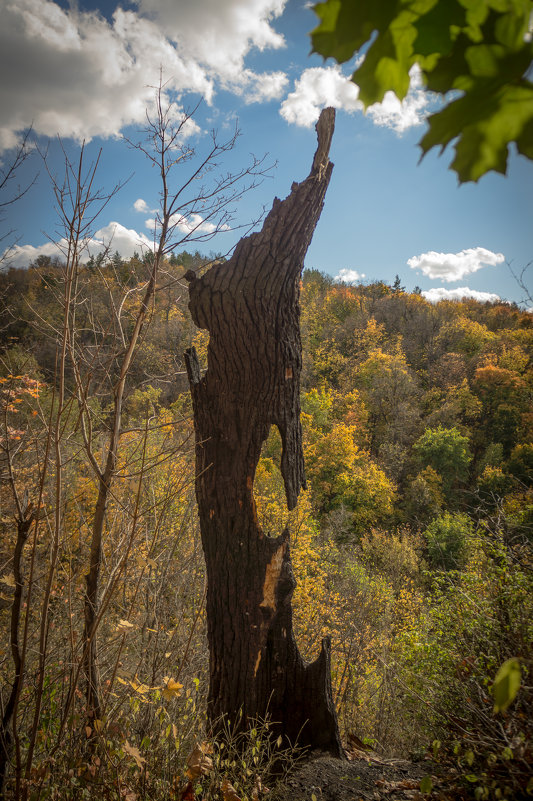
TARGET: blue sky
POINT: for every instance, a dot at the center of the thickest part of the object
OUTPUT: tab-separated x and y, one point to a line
83	70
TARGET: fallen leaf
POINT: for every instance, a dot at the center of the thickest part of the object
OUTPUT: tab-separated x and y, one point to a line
171	689
139	687
229	793
135	753
199	763
187	794
124	625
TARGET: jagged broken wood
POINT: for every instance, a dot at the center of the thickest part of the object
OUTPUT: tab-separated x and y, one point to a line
250	306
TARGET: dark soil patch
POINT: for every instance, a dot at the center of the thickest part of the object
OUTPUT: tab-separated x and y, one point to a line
331	779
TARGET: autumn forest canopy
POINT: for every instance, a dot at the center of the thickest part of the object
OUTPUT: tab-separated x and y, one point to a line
411	545
255	519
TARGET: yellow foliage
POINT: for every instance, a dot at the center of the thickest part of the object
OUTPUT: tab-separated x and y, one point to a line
315	603
171	689
201	342
340	473
513	358
369	338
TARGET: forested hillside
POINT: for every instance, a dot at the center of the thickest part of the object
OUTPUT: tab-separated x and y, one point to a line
411	545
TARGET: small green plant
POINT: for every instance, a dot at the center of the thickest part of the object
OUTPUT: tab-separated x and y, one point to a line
239	765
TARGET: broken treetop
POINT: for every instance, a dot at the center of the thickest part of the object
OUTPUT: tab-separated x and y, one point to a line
251	301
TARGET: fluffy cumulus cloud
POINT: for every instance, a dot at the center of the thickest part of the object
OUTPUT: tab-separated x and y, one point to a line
454	266
193	224
111	237
348	276
440	293
401	115
115	236
141	205
260	88
76	73
318	87
217	34
82	75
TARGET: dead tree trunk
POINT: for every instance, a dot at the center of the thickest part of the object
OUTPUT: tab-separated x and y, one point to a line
250	306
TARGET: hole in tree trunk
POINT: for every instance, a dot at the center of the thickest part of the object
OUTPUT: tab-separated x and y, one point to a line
268	487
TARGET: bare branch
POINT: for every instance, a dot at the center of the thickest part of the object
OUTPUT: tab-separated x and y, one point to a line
205	202
10	195
520	278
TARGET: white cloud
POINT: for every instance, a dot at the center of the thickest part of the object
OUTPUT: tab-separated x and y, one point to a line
96	82
217	34
348	276
74	73
113	236
193	224
141	205
23	255
318	87
110	238
260	88
454	266
436	294
401	115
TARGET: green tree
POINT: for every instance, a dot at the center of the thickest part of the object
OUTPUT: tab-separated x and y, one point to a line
457	407
397	285
505	399
464	336
447	540
423	497
389	389
479	50
446	450
521	463
494	484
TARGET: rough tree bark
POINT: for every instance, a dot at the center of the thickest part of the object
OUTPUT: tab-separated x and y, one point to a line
250	306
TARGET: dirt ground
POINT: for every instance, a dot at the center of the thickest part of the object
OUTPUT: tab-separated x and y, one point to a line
329	779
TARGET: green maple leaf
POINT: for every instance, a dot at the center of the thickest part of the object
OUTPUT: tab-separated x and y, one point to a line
481	48
484	122
506	684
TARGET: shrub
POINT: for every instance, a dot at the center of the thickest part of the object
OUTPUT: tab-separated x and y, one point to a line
447	540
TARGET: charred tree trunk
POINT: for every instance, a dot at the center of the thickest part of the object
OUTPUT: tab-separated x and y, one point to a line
250	306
